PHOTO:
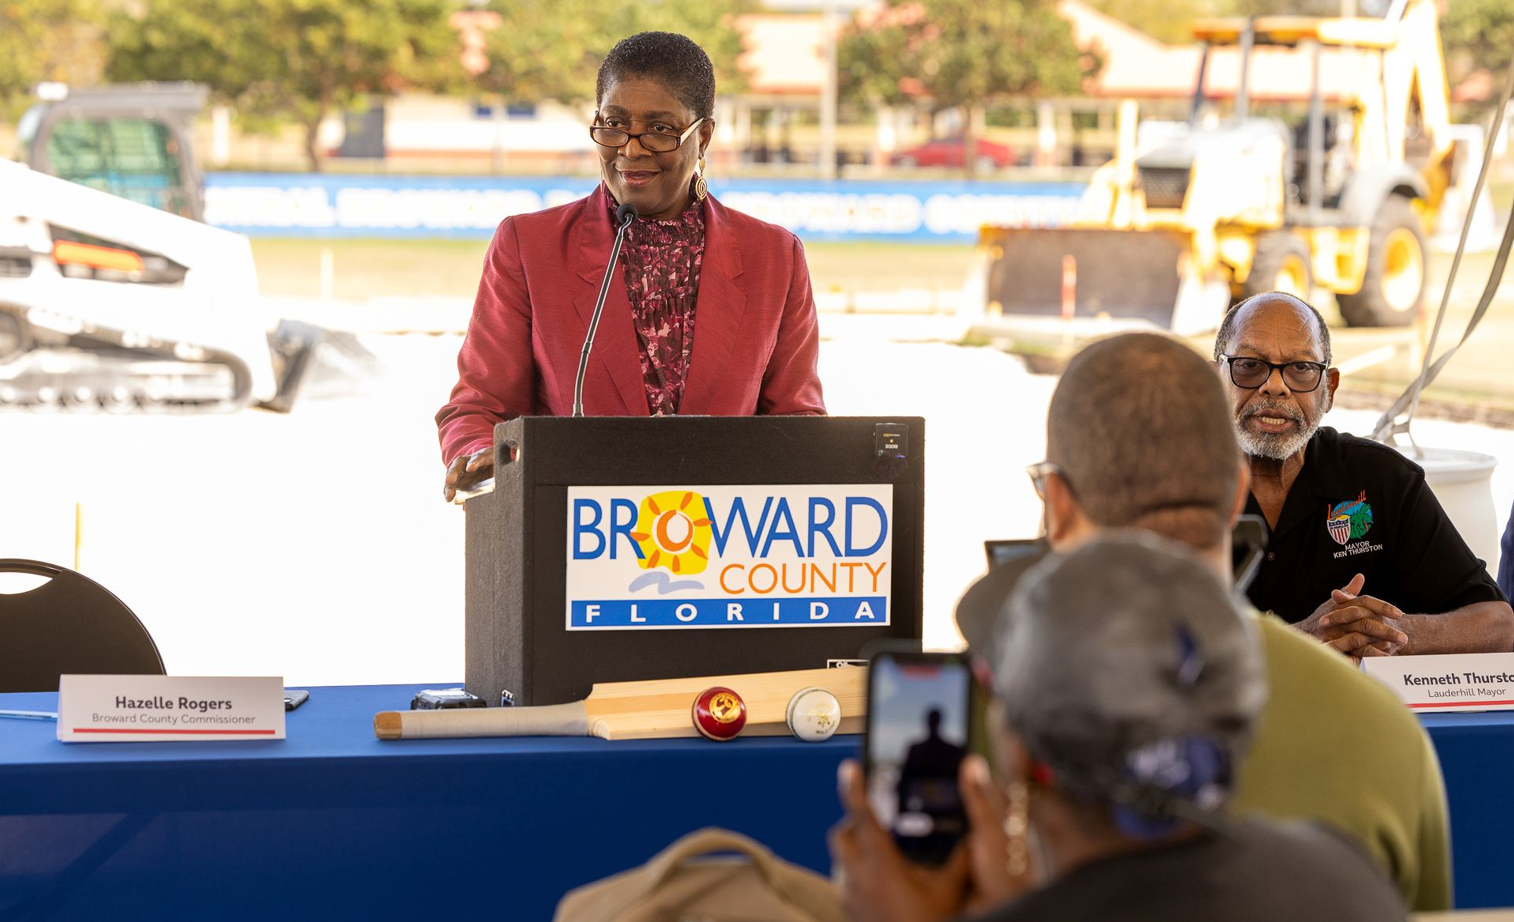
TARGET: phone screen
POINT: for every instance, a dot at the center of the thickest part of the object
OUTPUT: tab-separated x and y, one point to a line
1009	550
919	709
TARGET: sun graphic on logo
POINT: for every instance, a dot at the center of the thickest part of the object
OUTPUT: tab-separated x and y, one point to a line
672	531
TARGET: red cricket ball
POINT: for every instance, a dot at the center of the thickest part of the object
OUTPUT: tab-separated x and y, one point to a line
719	714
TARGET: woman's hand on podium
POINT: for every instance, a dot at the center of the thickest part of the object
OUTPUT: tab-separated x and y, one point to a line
467	470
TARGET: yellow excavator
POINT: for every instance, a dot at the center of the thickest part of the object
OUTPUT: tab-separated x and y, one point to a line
1177	227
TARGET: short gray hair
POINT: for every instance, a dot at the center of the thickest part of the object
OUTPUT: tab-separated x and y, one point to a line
1140	426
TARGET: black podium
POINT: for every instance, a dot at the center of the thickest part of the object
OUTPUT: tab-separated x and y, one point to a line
689	546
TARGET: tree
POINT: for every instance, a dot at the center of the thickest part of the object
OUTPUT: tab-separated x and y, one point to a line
542	49
551	49
1479	35
46	40
961	54
288	59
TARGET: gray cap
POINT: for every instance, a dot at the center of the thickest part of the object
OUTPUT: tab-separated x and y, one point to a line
1118	648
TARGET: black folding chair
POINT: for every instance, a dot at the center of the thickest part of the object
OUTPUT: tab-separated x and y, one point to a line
68	625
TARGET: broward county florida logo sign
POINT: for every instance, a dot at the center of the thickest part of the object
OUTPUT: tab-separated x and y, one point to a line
772	556
1349	520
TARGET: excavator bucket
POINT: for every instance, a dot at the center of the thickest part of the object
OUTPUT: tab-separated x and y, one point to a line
1087	273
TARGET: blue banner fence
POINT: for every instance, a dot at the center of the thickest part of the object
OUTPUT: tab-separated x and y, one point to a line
467	207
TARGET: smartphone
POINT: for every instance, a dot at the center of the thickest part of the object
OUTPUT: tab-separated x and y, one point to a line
294	697
919	714
1248	543
1007	550
436	699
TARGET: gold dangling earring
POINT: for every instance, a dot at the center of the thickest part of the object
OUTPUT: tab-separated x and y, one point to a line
701	190
1017	830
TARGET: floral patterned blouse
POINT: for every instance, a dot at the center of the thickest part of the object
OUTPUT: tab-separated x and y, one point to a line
662	260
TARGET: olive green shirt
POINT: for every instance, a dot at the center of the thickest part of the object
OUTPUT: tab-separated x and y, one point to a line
1334	744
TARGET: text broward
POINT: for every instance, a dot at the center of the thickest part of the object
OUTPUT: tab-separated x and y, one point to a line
159	701
860	519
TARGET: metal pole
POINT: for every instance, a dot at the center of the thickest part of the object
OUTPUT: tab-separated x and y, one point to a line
828	93
1387	427
1198	89
1316	132
1243	90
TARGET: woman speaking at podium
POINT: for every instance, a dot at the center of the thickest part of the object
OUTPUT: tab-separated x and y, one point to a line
709	313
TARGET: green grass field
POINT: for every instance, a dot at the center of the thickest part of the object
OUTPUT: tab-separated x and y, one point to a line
377	268
368	269
363	269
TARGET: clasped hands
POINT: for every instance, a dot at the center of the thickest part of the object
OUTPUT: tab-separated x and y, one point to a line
1357	625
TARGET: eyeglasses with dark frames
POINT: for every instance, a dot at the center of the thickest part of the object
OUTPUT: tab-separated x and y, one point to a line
658	142
1251	373
1038	473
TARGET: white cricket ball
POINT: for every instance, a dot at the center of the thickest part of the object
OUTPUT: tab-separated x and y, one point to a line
814	714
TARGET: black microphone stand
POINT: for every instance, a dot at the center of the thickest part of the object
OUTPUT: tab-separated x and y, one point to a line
624	215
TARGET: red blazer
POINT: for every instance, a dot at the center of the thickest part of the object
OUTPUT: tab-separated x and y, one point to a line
755	334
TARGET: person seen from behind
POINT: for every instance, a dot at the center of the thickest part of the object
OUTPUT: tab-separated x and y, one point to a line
1126	686
1140	435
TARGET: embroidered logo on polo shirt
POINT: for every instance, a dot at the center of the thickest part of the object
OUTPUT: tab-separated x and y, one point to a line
1348	522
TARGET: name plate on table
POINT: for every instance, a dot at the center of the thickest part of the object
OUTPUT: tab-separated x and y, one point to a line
688	557
135	708
1448	682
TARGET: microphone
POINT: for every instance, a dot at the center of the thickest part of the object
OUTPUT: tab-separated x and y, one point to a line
624	215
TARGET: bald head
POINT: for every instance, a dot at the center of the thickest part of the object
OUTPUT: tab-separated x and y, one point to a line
1140	427
1312	328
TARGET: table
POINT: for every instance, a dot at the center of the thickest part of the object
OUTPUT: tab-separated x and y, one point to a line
332	823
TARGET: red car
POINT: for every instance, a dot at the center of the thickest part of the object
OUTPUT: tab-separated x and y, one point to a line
948	152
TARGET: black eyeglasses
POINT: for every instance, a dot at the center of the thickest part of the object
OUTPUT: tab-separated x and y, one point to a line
657	141
1040	471
1250	373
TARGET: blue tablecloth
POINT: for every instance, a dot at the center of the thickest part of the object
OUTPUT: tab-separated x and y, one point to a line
332	823
1477	760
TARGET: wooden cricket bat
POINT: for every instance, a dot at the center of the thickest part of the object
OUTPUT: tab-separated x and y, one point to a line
650	709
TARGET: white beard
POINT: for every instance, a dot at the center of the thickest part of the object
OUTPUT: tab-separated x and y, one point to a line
1279	446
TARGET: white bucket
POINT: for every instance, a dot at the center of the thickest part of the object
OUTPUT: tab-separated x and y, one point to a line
1463	482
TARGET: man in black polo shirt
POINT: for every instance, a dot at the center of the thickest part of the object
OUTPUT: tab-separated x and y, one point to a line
1361	555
